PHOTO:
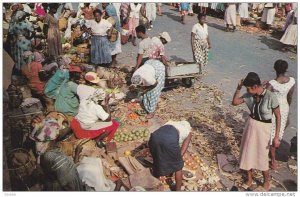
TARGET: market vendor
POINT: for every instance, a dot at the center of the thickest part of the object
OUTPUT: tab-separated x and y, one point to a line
143	48
168	144
93	119
151	78
62	87
255	143
157	49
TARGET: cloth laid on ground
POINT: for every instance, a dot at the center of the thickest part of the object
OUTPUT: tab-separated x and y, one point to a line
61	172
165	150
91	173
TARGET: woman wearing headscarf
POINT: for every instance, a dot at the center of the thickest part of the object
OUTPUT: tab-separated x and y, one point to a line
22	31
94	118
111	11
11	39
60	173
53	33
200	41
62	87
167	145
255	143
31	71
151	78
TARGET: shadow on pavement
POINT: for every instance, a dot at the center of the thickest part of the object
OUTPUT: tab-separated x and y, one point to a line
174	17
214	25
272	43
177	59
290	185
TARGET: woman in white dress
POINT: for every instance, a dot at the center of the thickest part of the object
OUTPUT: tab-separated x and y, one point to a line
283	88
268	15
230	16
290	35
243	12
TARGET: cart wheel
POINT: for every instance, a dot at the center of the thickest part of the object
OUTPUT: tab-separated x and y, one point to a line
188	82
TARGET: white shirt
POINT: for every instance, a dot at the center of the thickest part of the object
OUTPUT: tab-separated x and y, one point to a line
99	29
135	10
89	112
143	47
200	31
147	73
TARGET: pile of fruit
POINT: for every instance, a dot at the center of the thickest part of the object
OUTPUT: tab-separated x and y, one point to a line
76	59
191	162
131	136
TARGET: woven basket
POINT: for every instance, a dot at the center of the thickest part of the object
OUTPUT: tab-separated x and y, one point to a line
22	171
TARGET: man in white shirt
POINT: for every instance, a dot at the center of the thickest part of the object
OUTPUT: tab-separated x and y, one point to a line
143	48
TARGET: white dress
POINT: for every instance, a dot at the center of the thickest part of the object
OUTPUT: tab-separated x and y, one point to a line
243	10
281	91
230	15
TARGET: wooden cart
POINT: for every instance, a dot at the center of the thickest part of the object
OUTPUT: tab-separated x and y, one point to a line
184	71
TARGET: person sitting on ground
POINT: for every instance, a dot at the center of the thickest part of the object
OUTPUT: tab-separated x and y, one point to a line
157	49
31	72
63	88
143	48
283	87
167	145
151	78
93	119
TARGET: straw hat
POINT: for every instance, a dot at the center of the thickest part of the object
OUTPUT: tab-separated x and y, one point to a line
92	77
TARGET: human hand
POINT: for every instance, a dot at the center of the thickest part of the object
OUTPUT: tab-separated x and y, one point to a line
240	84
36	120
276	142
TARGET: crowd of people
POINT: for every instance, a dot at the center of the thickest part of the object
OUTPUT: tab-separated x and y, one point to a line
36	41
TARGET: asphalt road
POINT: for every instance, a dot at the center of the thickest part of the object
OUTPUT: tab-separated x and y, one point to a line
234	55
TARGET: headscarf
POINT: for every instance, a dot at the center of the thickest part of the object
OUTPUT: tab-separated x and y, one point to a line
136	80
20	14
183	127
39	10
38	57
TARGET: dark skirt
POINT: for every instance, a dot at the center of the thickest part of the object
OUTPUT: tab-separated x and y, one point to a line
100	50
165	150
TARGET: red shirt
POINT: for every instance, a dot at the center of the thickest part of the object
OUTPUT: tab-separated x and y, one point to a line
32	75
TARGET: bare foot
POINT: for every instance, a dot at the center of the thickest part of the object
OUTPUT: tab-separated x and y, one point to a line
150	115
273	165
266	186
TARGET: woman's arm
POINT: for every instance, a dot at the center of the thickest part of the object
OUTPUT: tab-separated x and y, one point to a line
237	100
139	61
193	40
185	144
208	41
107	108
276	112
290	95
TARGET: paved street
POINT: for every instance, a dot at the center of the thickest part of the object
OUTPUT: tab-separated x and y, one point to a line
234	55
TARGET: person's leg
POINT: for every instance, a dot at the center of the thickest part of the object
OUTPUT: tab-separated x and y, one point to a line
114	60
227	27
273	160
266	183
249	178
178	179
